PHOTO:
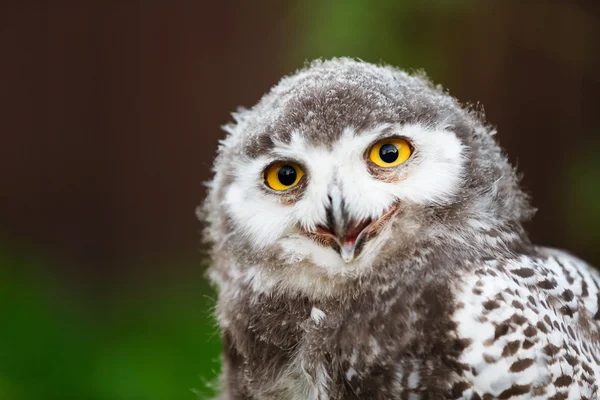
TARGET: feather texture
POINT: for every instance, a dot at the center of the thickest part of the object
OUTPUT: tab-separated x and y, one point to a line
443	296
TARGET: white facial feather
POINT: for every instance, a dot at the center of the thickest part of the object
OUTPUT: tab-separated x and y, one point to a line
432	175
439	174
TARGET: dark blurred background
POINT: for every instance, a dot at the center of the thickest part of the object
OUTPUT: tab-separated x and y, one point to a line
110	115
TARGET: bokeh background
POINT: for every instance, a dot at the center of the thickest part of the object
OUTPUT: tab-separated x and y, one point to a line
110	115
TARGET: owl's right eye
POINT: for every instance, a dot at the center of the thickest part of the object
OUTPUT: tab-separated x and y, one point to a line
283	176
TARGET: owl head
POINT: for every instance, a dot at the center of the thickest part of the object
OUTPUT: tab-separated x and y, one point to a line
346	166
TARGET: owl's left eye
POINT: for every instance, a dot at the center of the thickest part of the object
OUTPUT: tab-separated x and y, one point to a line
283	176
390	152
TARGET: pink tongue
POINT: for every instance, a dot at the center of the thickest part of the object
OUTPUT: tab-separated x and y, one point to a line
352	235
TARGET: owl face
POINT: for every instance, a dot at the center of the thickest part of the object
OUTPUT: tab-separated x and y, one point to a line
345	166
334	203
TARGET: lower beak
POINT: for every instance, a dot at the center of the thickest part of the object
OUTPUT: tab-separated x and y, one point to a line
351	239
347	253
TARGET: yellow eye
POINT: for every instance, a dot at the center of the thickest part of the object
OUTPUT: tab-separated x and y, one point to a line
390	152
283	176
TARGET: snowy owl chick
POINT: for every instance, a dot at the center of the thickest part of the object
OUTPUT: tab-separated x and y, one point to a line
367	243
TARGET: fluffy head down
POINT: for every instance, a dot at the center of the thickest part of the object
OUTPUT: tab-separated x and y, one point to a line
325	119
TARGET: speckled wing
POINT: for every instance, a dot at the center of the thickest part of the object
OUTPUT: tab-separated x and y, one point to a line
531	324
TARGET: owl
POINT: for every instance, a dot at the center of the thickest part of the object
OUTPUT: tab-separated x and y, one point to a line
367	242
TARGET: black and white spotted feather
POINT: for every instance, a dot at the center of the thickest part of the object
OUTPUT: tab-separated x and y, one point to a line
440	296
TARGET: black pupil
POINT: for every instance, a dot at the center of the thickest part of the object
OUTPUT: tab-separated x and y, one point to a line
388	153
287	175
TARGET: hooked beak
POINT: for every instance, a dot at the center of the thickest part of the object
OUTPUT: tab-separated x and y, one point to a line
348	235
342	228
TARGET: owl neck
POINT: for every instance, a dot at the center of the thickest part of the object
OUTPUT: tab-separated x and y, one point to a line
293	330
416	287
486	239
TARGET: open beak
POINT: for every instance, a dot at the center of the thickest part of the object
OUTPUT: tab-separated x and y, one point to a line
348	235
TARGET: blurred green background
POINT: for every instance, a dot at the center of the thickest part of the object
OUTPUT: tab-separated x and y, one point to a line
110	119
